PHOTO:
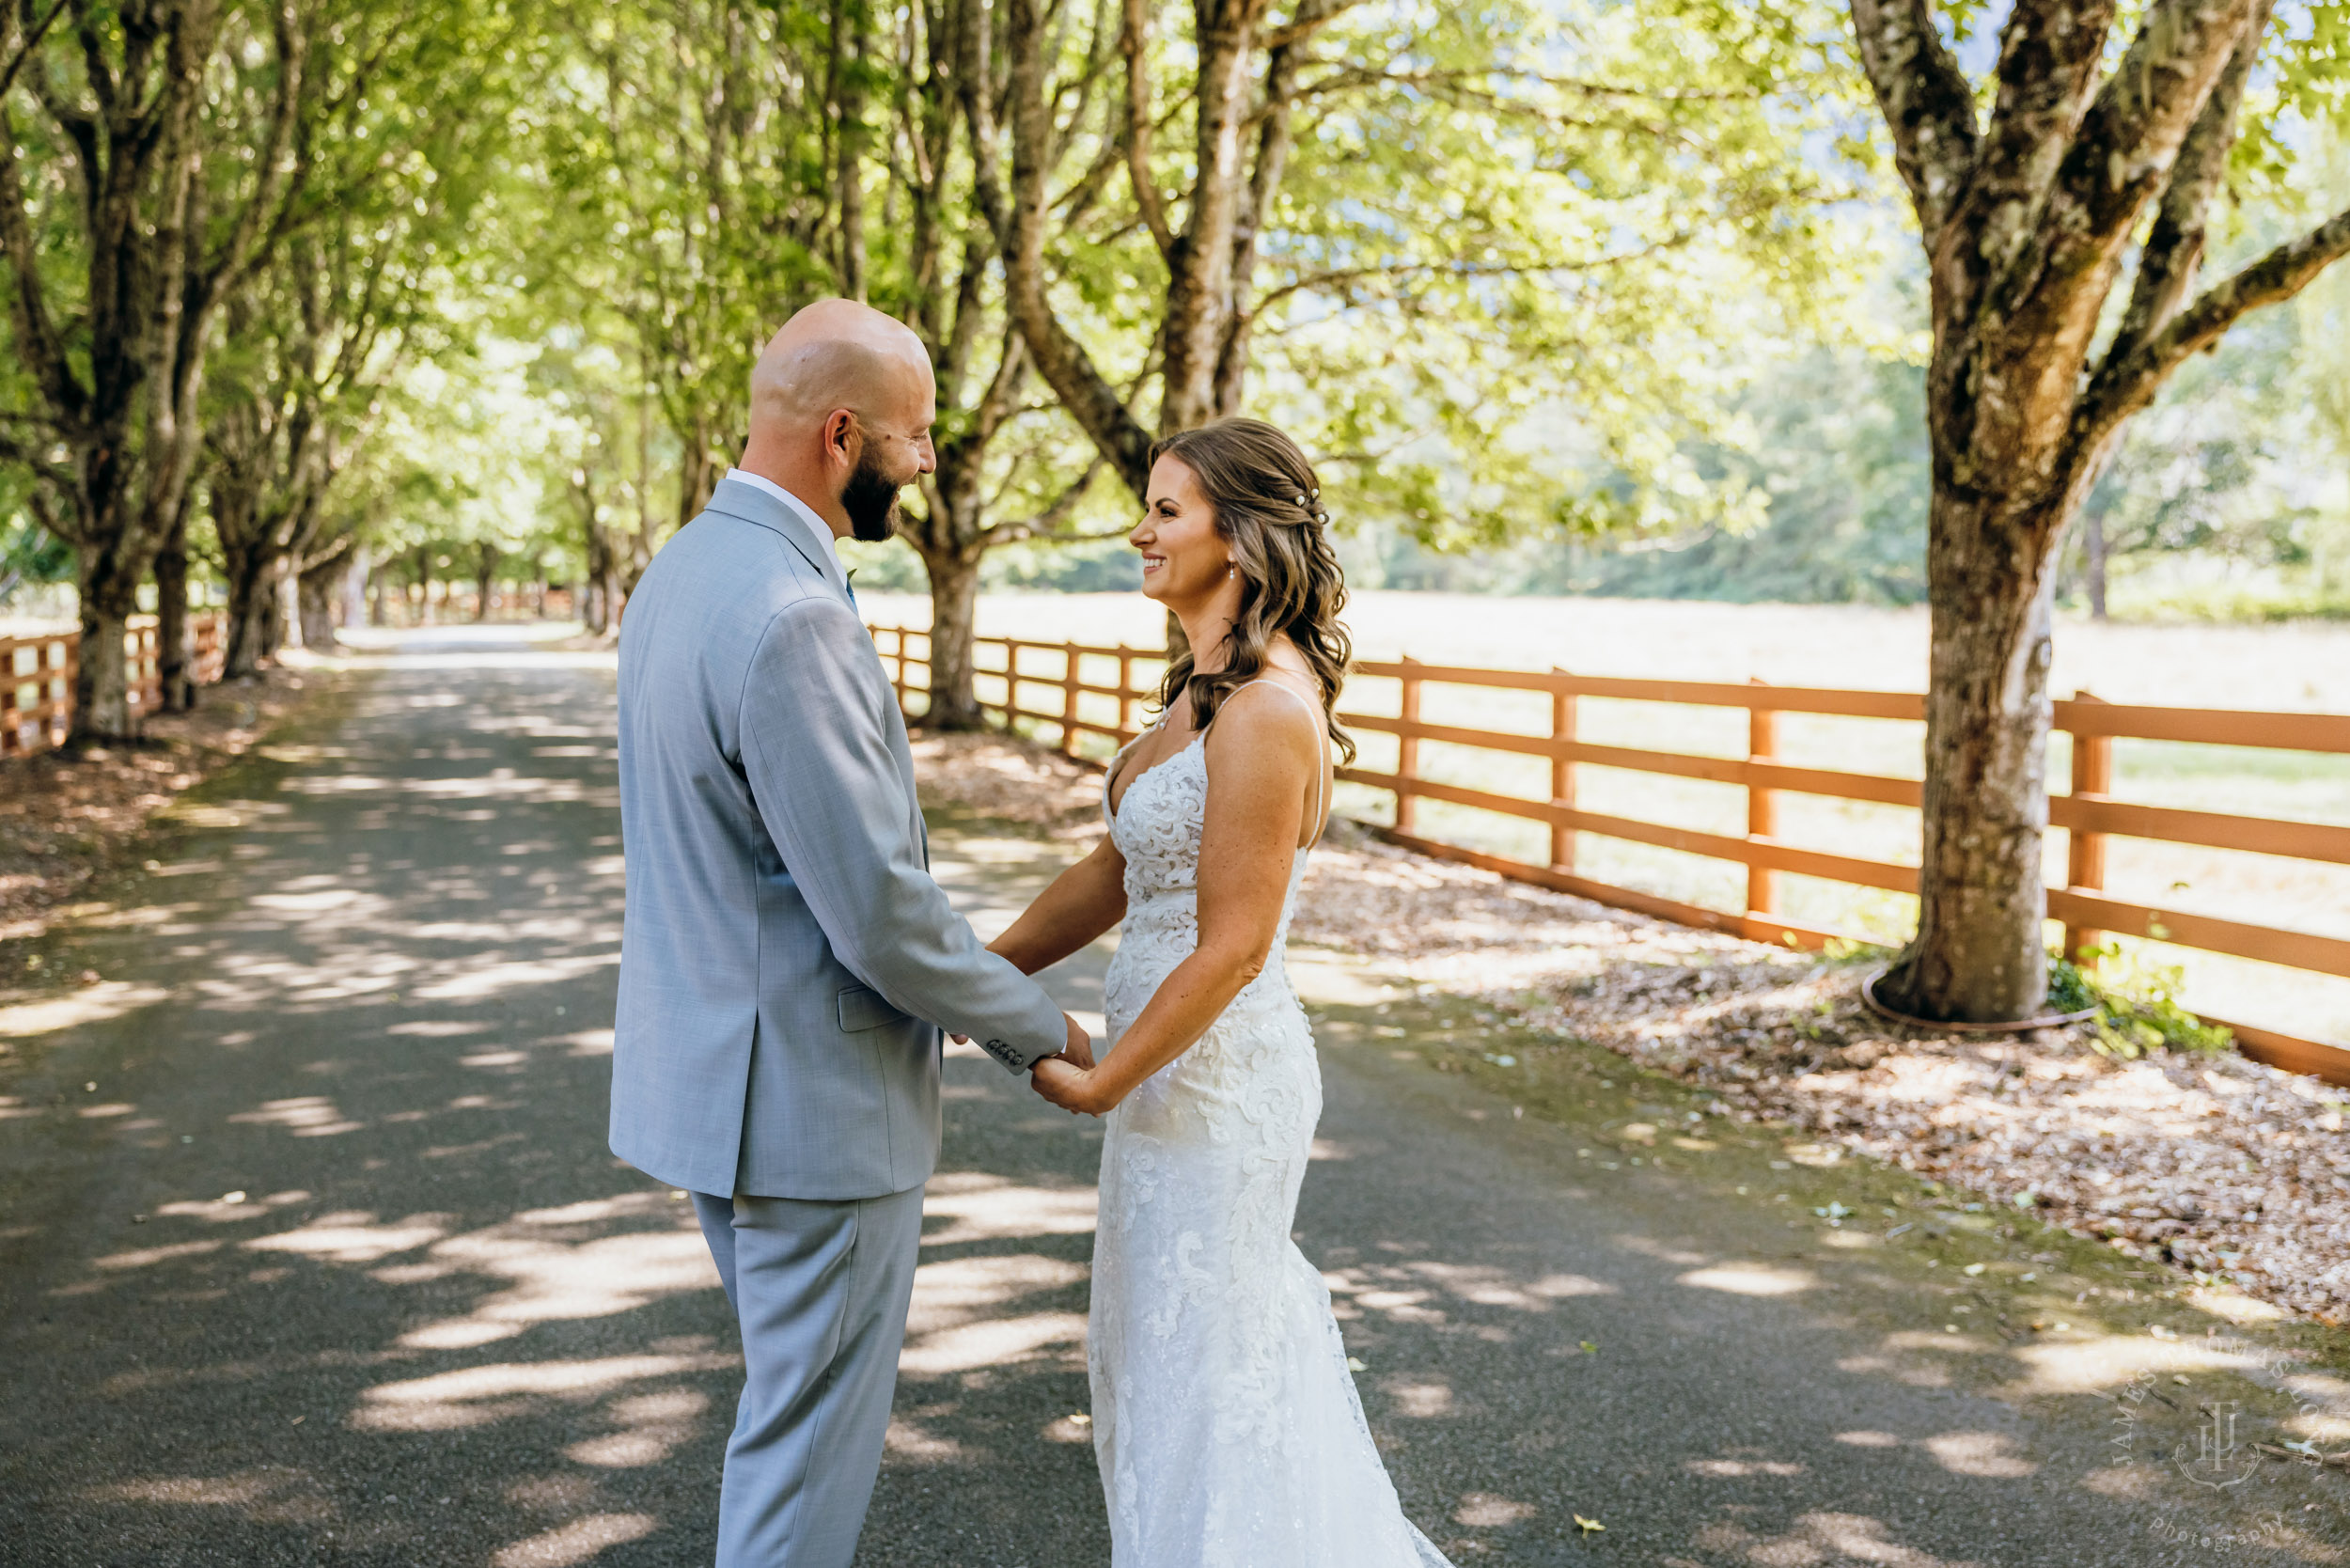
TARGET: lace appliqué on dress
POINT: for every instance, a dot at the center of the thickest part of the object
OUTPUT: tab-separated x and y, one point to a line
1225	1420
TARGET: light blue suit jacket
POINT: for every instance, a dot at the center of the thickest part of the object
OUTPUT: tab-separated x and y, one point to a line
787	959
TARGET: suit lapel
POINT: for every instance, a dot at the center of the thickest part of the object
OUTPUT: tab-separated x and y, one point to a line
734	498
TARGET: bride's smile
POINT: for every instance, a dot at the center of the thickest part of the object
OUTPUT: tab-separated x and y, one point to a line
1186	563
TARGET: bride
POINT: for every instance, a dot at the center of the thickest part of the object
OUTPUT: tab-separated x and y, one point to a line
1225	1421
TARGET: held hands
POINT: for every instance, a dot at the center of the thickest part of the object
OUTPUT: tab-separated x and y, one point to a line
1068	1079
1079	1051
1075	1089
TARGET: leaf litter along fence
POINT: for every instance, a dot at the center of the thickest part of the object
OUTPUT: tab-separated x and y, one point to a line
37	676
1057	696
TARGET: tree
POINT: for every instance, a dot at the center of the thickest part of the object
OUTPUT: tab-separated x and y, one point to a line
604	463
405	123
944	282
146	156
1471	254
2031	215
699	153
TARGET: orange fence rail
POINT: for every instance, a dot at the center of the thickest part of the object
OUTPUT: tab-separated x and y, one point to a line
1066	683
37	676
2089	814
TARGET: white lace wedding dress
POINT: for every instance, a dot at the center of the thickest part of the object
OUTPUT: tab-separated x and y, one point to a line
1225	1420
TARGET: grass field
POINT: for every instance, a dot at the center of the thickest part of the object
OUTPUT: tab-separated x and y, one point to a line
2296	667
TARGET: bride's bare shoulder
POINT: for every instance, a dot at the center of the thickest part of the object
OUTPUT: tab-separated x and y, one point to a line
1274	714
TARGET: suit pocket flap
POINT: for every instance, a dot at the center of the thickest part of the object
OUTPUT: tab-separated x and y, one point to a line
862	1007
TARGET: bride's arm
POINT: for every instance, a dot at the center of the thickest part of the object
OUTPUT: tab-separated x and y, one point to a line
1261	759
1083	902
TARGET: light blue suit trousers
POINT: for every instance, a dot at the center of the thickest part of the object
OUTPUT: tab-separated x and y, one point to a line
819	1289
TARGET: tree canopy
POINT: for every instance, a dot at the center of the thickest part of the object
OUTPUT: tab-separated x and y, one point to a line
1540	278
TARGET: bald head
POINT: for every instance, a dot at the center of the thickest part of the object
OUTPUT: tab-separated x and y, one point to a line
839	354
843	400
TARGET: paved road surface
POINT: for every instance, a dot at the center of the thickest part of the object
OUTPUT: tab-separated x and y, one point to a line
311	1252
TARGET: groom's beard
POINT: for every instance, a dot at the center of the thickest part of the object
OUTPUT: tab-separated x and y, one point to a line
870	499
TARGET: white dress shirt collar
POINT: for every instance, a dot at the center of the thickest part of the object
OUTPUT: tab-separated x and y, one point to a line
824	529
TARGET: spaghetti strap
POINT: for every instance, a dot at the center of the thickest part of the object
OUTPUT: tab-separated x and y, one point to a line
1323	749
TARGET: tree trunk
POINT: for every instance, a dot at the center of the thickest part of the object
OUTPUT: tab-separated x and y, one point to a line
375	596
175	642
2094	561
102	709
599	606
2029	215
278	615
1981	955
607	594
697	475
484	580
315	595
954	616
356	572
248	645
424	585
850	45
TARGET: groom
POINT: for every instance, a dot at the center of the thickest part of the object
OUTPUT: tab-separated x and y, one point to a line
788	962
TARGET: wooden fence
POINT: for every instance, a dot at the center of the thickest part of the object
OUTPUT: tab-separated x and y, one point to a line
37	676
2089	814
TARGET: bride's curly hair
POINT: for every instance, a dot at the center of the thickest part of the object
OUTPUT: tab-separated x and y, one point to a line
1268	509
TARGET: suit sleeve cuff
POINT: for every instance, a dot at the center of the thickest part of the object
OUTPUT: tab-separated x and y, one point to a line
1043	1034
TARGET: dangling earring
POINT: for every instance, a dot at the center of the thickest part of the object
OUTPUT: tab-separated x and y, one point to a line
1230	569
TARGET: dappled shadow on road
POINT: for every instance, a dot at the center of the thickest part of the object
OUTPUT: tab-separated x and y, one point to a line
1558	1326
313	1249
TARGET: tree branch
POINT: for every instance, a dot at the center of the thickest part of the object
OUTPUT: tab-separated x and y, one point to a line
2174	247
2128	383
1133	40
1475	269
36	333
1001	399
2049	55
1309	20
1046	525
1272	121
240	250
1927	101
100	75
974	74
21	52
1063	362
2129	140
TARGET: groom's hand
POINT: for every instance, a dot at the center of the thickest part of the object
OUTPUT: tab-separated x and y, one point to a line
1070	1088
1078	1053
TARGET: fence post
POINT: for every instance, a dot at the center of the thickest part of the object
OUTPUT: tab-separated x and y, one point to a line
1561	777
1069	699
1408	751
2084	850
904	694
64	690
1126	730
1761	804
11	681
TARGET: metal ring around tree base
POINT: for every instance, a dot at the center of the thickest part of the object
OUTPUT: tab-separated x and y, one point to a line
2049	1021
